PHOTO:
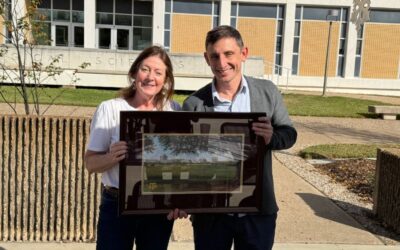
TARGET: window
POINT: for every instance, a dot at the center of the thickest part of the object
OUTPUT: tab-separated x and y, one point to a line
295	64
384	16
61	35
104	38
296	40
167	24
342	42
257	10
357	66
141	38
124	24
78	36
64	18
192	7
279	40
316	13
7	14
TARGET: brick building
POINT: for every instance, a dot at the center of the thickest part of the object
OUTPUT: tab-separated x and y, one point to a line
290	36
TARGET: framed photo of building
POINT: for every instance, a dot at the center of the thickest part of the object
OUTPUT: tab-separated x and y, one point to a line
196	161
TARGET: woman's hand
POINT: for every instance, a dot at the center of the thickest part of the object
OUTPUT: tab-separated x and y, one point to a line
99	162
118	151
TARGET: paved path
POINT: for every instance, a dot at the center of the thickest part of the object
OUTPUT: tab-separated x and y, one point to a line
57	110
308	219
325	130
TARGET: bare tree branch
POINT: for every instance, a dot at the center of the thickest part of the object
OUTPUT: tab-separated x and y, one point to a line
24	31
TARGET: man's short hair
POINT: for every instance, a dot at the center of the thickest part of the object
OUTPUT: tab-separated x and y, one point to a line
223	31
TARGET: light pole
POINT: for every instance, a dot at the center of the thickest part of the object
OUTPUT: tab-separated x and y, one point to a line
334	14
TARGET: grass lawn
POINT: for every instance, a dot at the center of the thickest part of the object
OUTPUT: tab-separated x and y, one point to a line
89	97
200	177
328	106
64	96
297	104
332	151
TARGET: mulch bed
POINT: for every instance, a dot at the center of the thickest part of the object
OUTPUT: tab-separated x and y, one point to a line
358	175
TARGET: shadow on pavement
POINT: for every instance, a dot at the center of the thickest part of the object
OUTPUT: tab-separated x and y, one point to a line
320	206
366	220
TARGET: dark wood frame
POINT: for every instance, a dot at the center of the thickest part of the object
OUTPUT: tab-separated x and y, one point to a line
134	123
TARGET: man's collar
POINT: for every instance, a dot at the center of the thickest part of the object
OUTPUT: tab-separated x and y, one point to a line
243	88
214	92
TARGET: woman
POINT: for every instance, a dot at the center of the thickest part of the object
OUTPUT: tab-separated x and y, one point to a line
151	88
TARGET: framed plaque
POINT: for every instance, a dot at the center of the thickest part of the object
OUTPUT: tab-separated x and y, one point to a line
196	161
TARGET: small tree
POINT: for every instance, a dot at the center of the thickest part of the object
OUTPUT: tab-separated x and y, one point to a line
23	32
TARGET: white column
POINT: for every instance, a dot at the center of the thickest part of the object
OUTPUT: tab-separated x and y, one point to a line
158	21
350	53
90	23
225	12
288	34
19	9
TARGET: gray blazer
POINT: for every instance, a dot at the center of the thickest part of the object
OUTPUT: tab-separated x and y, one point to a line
265	98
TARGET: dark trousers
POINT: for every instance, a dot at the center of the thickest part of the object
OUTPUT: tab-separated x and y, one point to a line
149	232
218	232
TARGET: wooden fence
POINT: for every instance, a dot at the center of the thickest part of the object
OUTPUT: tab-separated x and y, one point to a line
387	187
46	194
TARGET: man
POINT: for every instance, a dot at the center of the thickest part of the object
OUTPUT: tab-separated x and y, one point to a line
230	91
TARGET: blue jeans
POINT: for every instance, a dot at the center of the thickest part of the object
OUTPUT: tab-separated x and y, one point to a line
149	232
219	231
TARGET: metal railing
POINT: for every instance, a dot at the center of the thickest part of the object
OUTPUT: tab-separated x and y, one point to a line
279	74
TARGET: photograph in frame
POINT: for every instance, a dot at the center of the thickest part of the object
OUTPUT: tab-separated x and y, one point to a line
196	161
208	163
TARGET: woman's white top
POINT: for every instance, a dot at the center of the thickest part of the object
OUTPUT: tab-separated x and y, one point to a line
104	131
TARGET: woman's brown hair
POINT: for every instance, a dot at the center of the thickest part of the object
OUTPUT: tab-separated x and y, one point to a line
166	92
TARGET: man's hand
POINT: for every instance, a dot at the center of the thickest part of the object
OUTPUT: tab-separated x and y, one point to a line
264	129
176	214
